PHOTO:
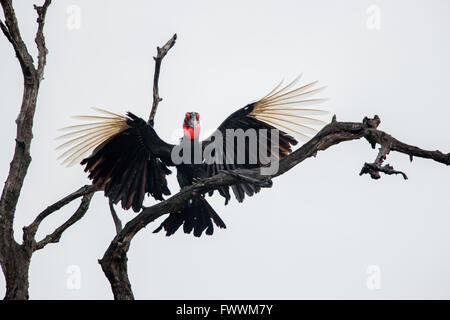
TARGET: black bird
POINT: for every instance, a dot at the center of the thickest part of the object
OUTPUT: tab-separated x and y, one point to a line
127	159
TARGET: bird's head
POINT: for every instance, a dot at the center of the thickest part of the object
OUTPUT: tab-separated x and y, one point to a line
191	125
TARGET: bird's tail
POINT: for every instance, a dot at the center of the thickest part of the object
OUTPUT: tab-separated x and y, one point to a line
198	216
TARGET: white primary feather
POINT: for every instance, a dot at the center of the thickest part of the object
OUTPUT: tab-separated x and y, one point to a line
83	138
280	109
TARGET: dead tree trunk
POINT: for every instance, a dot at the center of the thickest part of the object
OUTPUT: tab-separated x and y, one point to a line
15	268
115	267
14	257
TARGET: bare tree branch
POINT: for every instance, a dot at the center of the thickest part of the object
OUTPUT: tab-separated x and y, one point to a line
6	31
114	260
388	144
40	39
161	53
116	219
29	232
24	57
55	236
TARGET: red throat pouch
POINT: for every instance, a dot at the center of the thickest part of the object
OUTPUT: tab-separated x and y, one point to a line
190	132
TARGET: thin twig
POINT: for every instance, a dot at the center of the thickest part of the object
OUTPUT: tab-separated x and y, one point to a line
40	38
5	31
161	53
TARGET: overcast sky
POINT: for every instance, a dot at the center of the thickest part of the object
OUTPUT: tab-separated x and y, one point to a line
321	231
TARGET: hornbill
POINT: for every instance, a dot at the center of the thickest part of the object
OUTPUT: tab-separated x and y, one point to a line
126	158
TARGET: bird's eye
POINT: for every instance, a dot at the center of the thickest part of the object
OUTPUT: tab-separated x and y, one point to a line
188	116
198	116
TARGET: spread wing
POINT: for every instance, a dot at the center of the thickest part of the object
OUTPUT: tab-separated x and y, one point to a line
284	109
123	155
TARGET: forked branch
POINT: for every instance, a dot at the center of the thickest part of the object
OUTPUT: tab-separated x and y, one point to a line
29	232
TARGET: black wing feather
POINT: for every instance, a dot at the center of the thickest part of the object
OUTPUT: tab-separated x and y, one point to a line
130	164
241	119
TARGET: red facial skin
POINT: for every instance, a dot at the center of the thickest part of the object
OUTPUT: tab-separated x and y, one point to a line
189	131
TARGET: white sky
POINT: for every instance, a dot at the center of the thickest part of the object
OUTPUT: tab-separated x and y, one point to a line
318	229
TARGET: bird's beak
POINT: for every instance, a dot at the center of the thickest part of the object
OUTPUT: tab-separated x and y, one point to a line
193	123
